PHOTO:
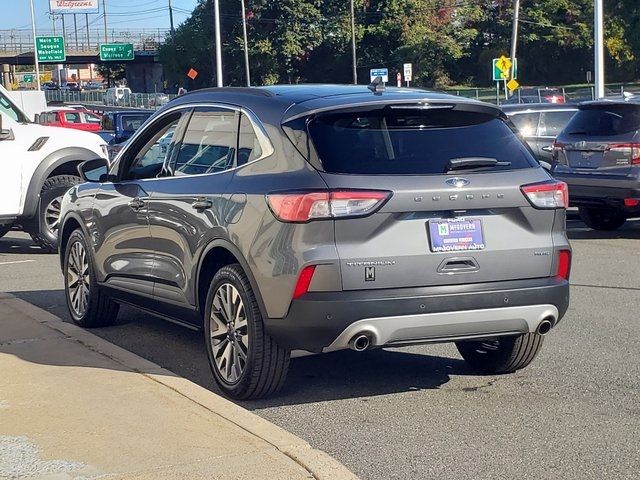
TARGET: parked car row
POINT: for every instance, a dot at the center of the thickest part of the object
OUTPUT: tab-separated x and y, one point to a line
595	148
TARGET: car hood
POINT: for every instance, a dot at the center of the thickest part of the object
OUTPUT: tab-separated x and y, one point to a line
69	137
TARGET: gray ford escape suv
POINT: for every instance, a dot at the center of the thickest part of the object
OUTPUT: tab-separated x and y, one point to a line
320	218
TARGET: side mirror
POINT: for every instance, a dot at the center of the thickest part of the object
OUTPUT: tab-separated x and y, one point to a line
96	170
545	165
5	134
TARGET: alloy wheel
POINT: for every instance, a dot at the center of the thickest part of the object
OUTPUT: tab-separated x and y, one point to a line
229	333
78	279
52	214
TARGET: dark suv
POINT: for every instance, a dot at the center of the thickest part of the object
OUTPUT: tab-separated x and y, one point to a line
598	156
320	218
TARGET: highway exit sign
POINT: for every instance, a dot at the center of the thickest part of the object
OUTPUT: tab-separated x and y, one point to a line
50	49
116	52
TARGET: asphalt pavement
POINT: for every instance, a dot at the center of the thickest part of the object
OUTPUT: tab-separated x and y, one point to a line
418	412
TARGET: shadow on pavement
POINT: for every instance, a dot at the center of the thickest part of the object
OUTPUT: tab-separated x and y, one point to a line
20	245
317	378
577	230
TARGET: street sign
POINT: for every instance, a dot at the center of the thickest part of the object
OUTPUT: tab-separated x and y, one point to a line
407	72
379	72
512	84
502	68
116	52
192	73
50	49
28	78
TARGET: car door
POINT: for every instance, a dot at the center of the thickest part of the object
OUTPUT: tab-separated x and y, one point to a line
124	251
551	123
188	209
12	149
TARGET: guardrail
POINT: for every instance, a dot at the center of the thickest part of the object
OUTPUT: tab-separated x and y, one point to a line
98	98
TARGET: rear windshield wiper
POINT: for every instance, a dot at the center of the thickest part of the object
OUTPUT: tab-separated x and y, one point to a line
470	163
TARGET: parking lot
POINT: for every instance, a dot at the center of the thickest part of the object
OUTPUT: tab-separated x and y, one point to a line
419	412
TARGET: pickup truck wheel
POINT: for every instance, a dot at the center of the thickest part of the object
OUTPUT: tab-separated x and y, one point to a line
501	355
602	218
51	194
89	306
246	362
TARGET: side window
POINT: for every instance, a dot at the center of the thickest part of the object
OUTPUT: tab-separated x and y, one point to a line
72	117
209	143
148	162
527	123
552	123
248	145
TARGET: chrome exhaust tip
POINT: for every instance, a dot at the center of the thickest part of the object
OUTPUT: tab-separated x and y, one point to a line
360	342
545	326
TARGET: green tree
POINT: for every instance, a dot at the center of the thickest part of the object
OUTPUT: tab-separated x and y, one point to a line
111	72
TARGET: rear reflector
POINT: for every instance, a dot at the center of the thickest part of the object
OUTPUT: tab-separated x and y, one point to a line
630	150
550	194
301	207
631	202
304	280
564	264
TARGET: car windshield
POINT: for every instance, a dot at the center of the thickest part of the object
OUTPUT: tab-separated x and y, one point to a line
130	123
604	120
10	110
414	141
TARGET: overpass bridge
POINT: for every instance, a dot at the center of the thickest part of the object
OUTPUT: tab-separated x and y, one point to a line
144	73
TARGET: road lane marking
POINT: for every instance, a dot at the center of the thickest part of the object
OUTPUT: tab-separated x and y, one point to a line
16	261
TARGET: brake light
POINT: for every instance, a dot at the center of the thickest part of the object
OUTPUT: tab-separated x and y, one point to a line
631	150
564	264
304	280
631	202
301	207
551	194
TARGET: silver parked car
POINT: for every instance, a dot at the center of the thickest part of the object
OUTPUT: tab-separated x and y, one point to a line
320	218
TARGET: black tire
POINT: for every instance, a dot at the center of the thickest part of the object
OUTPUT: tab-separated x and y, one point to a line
602	218
501	355
100	310
266	363
46	235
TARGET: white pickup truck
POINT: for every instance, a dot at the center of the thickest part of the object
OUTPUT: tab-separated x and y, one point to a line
38	165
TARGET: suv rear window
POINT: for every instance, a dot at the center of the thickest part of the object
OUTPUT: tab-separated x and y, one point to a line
412	141
605	120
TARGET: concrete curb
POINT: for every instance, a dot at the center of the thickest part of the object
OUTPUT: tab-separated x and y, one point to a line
318	463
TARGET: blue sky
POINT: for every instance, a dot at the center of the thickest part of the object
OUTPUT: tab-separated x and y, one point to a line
122	14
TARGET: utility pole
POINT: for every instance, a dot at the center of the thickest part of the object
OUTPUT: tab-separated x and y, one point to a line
598	47
53	21
246	44
353	45
35	48
216	13
75	29
104	16
173	31
86	20
514	38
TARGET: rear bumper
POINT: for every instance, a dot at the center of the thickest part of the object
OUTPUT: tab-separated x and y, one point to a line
328	320
606	192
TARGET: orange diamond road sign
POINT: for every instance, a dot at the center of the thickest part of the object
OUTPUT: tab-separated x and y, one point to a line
192	73
512	85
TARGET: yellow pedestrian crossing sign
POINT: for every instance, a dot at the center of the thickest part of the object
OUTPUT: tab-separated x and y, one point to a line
502	68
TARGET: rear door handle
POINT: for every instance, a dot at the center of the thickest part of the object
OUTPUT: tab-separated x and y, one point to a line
547	148
202	204
137	204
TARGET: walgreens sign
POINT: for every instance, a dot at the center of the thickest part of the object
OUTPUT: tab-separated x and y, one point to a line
73	6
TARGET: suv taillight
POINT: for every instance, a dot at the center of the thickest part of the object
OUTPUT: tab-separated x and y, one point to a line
301	207
564	264
547	195
631	150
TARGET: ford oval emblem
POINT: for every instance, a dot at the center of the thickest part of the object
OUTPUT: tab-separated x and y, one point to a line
457	182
